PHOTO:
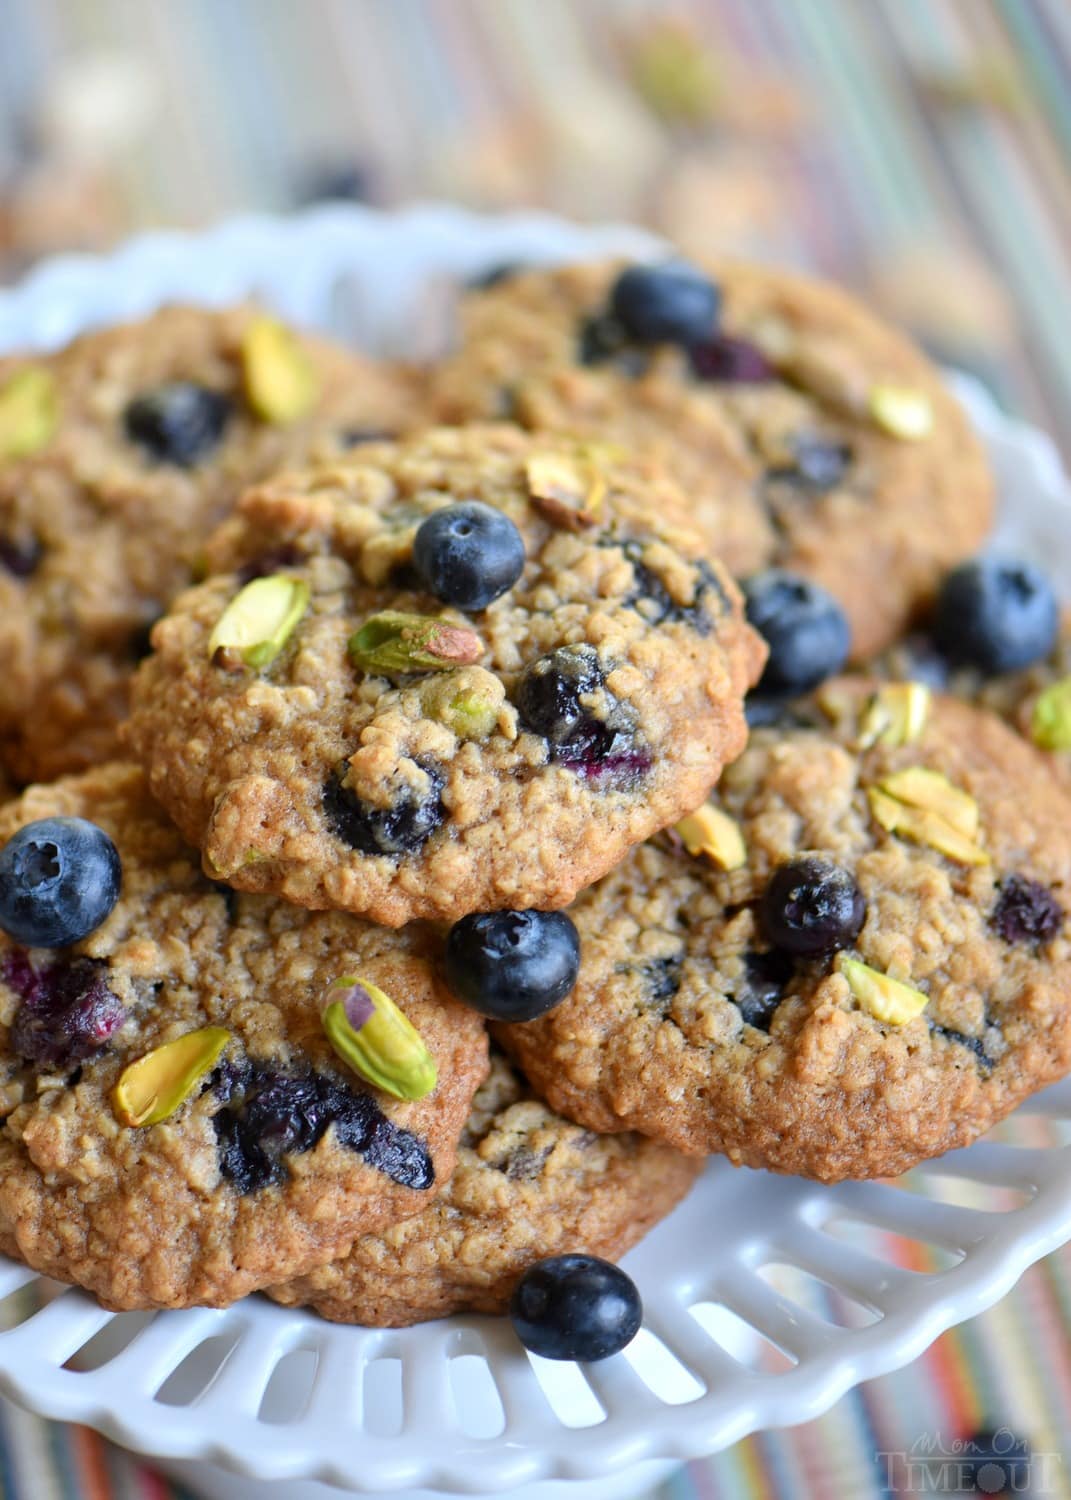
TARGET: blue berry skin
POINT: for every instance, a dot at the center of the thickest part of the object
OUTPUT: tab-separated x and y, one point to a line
59	879
812	907
512	965
804	627
996	613
576	1307
179	423
468	555
672	303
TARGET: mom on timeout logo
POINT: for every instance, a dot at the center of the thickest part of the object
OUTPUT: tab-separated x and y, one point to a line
988	1463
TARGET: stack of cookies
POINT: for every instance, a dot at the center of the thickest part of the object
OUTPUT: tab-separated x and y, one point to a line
456	802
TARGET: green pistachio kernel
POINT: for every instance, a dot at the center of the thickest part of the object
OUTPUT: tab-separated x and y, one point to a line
259	621
1050	723
393	644
881	996
153	1087
902	412
714	835
896	715
29	412
374	1038
468	702
280	382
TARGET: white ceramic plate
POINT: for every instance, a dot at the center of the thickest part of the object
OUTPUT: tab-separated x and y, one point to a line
766	1298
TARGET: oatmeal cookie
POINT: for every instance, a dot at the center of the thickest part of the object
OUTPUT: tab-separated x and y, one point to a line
198	1012
865	961
117	457
471	670
808	434
528	1184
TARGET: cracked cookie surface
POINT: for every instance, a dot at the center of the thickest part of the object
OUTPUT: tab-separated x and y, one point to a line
687	1022
151	436
592	703
767	424
528	1184
276	1158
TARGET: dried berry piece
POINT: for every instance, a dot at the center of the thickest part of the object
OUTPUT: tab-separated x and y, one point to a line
1026	912
67	1013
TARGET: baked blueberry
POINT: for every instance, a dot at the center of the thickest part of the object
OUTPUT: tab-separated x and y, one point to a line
812	906
402	828
576	1307
20	557
671	303
997	613
178	423
59	879
1026	911
804	627
734	361
68	1011
512	965
468	555
762	988
817	464
548	694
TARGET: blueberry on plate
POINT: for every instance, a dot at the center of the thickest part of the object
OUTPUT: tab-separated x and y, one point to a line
812	906
179	423
468	555
576	1307
997	613
512	965
671	303
804	627
59	879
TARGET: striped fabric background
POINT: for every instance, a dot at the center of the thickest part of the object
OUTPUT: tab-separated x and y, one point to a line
917	149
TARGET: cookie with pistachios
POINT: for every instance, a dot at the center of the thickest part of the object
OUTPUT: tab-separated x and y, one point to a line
807	434
117	457
460	673
855	956
208	1092
528	1184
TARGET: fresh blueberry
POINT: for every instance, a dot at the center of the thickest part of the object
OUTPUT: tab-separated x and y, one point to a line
268	1115
67	1012
997	614
179	423
403	828
804	627
512	965
1026	912
59	879
812	906
576	1307
730	360
21	557
671	303
468	555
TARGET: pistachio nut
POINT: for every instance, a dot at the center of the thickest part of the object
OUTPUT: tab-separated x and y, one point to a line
29	412
712	833
393	644
918	786
280	382
901	411
373	1037
468	702
566	491
1050	723
924	827
153	1087
259	621
881	996
896	715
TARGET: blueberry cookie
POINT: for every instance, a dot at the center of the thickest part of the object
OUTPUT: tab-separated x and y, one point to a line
528	1184
808	435
187	1074
117	457
455	674
855	956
